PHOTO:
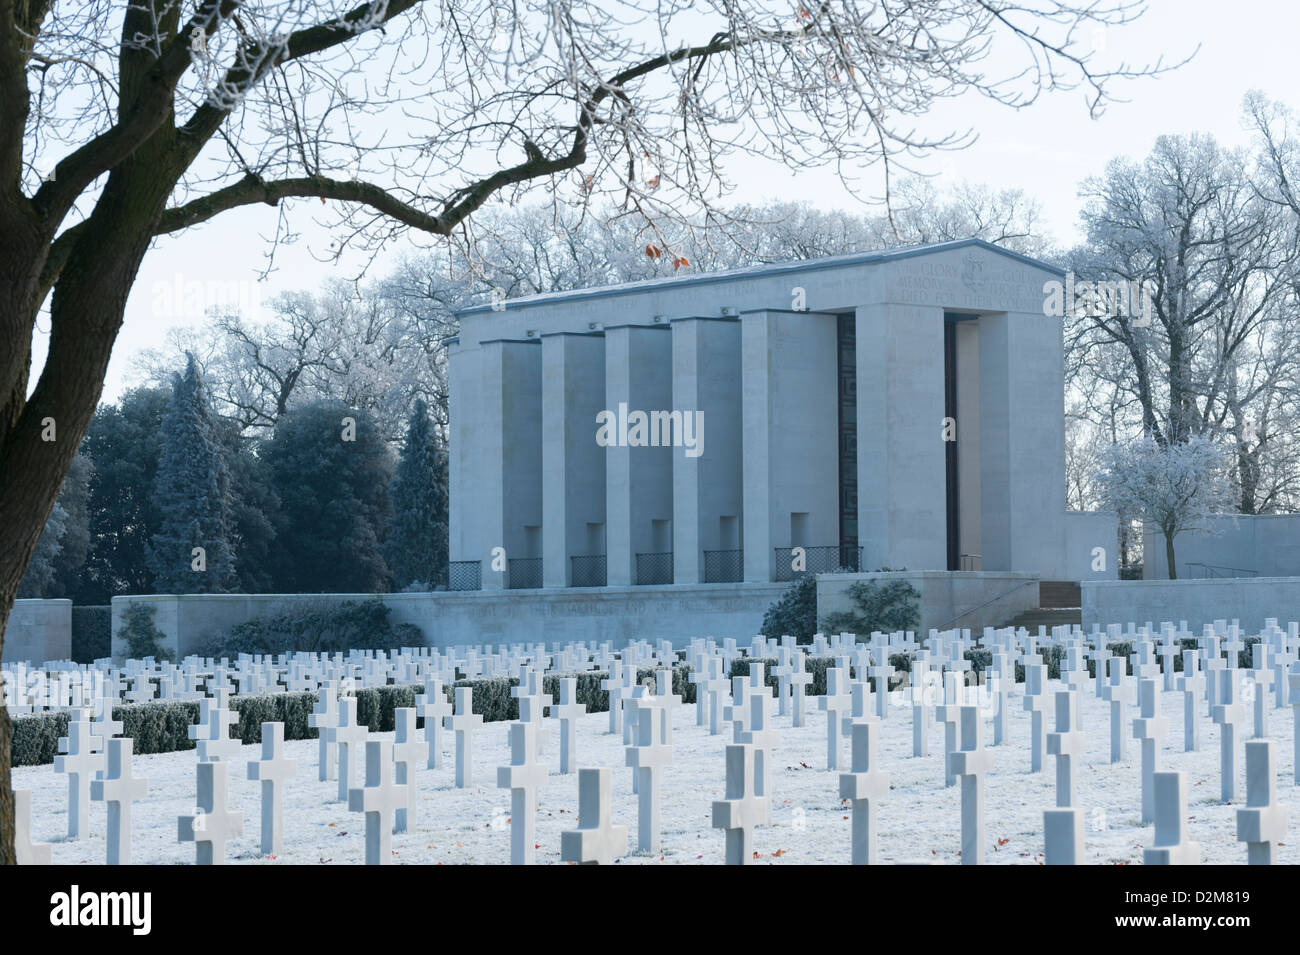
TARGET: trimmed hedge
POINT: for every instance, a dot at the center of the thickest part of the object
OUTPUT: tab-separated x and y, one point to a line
163	727
92	633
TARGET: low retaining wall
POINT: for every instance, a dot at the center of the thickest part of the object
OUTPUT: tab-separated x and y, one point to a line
619	615
1248	599
949	599
38	630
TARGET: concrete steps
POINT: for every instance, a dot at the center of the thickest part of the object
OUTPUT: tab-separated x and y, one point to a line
1058	606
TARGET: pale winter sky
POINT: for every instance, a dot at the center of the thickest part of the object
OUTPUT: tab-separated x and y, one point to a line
1045	149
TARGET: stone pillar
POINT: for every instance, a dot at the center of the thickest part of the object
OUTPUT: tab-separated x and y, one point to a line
902	507
706	488
1022	444
507	489
757	330
791	434
638	477
573	465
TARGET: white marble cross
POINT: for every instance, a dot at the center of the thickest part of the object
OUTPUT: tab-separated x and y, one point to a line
1293	681
27	852
613	684
700	677
212	732
863	786
800	679
971	763
596	841
1150	728
213	823
764	738
463	724
406	755
949	714
81	760
1066	744
1261	678
743	808
523	777
380	799
918	694
1262	824
1063	836
1035	704
325	717
1120	692
118	788
1228	713
882	672
1190	684
348	738
835	703
434	708
648	758
272	771
567	712
737	711
1171	845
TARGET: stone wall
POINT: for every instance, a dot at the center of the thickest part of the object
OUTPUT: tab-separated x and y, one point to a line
1248	599
1266	544
39	630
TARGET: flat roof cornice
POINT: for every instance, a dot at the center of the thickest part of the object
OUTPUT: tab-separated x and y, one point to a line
772	269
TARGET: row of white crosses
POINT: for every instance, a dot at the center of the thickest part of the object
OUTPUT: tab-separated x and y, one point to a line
748	724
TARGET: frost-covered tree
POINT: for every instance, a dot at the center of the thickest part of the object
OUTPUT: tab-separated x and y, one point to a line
1174	487
416	547
192	496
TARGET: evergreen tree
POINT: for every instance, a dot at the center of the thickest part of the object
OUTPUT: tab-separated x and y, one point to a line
192	494
417	541
330	468
123	442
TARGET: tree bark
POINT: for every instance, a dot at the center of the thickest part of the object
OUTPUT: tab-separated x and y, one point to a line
1169	555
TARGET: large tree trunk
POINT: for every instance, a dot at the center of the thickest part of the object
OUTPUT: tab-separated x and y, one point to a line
86	311
1169	555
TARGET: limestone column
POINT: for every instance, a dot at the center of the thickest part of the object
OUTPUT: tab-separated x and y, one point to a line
707	488
757	330
638	479
573	465
507	491
1022	444
902	503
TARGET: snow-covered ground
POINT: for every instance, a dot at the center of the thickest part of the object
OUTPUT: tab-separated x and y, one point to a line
919	821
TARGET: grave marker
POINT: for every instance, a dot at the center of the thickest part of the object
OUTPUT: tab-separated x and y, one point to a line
212	823
272	771
118	788
380	799
1262	824
596	841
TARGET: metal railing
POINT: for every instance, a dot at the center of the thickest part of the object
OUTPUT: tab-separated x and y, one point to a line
589	570
654	568
723	566
816	560
1216	570
465	575
965	613
524	573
